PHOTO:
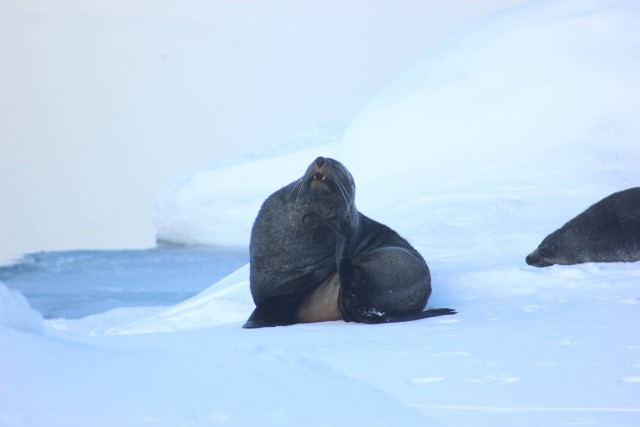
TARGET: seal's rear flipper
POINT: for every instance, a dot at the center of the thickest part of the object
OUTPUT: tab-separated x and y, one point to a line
277	311
435	312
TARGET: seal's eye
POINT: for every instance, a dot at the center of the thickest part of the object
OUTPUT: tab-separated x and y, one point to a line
319	177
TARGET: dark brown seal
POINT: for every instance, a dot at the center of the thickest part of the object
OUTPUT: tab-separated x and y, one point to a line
608	231
314	258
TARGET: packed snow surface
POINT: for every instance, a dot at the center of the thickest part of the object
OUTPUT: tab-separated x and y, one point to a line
475	154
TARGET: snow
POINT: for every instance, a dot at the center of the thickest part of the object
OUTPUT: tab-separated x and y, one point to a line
475	153
16	313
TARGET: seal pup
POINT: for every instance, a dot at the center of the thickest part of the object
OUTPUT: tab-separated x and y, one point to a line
608	231
314	258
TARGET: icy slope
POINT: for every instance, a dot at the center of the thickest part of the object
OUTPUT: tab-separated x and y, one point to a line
536	105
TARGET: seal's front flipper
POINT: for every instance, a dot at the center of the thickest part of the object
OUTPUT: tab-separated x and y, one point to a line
277	311
343	232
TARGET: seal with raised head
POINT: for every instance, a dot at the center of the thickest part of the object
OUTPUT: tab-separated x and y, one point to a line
608	231
314	258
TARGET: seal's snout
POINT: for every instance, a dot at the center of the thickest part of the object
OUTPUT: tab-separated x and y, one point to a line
319	171
536	260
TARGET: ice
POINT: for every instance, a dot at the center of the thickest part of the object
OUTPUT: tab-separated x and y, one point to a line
75	284
475	153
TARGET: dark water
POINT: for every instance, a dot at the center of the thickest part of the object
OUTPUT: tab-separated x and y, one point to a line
74	284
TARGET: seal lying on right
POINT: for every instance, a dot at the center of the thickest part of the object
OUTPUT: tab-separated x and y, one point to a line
609	231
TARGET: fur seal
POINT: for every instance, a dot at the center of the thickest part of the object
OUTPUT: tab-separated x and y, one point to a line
608	231
314	258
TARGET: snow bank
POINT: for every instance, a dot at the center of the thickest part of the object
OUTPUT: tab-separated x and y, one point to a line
542	96
537	99
16	313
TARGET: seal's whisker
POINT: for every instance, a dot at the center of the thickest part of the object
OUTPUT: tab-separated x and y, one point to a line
296	182
344	193
295	205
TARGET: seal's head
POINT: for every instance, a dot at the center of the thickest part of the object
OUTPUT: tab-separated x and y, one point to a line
541	257
328	186
565	246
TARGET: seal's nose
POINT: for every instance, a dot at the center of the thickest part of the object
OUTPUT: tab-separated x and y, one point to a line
320	161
